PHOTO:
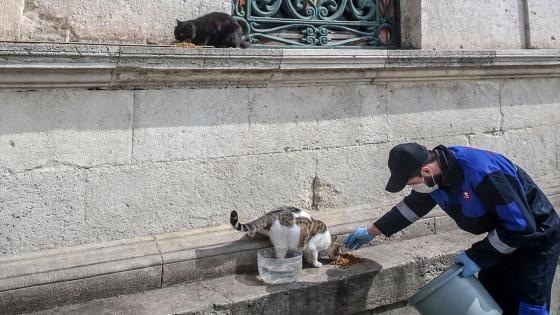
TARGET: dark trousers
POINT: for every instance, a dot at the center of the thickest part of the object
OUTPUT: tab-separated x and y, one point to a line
525	276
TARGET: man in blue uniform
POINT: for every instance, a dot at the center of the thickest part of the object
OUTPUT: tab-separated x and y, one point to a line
484	193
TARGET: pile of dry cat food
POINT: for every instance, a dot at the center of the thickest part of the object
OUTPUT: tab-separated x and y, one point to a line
346	260
185	45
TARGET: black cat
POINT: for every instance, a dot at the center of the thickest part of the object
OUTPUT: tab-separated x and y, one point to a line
215	29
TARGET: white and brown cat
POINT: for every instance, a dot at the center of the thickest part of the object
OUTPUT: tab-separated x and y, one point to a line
292	229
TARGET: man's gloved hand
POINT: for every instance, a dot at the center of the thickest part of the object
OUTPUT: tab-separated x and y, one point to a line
469	266
358	238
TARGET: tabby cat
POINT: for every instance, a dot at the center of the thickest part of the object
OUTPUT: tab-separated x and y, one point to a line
292	229
216	29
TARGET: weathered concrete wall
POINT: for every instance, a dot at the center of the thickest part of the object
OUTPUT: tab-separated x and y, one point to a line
434	24
544	23
10	19
456	24
123	21
480	24
411	24
79	166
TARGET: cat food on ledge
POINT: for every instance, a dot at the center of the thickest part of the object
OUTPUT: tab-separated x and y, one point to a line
188	45
346	260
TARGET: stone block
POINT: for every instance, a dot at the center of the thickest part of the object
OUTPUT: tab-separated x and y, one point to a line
442	108
352	176
445	224
10	19
296	118
534	149
208	123
42	209
432	142
39	269
63	127
530	103
140	21
357	175
423	227
172	125
58	293
411	24
479	24
156	198
544	24
166	301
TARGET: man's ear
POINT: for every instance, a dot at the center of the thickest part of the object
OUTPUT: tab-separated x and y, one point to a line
426	170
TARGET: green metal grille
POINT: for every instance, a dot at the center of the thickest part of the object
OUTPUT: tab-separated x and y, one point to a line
319	23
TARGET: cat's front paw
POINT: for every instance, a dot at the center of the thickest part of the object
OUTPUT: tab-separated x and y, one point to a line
317	264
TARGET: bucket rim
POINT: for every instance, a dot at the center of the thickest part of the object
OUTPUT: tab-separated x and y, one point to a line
435	284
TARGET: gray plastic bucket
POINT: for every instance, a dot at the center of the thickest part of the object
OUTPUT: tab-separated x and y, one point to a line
451	293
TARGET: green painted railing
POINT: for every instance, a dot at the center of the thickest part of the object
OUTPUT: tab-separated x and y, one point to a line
319	23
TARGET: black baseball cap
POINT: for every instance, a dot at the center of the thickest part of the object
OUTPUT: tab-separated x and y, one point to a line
404	162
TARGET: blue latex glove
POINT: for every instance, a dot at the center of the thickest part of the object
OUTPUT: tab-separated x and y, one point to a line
358	238
469	266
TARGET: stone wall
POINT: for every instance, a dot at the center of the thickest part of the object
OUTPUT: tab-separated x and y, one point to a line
544	24
480	24
433	24
106	21
92	163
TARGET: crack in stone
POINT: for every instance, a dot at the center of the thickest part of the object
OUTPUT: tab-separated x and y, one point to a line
315	198
502	121
132	125
162	262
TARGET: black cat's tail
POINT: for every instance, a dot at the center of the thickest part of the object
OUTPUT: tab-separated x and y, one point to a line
244	44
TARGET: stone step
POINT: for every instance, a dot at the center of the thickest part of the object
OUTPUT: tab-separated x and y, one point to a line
388	275
381	284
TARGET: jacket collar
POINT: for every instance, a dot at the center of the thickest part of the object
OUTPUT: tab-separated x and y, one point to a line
451	174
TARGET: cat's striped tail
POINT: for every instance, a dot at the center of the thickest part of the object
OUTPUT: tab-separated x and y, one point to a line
234	220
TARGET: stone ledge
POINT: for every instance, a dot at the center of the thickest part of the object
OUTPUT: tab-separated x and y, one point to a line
381	284
36	280
33	65
388	275
72	275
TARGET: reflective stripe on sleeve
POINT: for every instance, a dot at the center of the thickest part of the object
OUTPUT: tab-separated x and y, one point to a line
497	243
407	212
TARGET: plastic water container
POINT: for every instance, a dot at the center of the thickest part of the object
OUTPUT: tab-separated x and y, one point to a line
451	293
275	271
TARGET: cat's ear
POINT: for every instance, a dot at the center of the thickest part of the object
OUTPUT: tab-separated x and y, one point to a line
178	22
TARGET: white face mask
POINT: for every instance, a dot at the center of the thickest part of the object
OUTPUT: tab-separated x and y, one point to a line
423	188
